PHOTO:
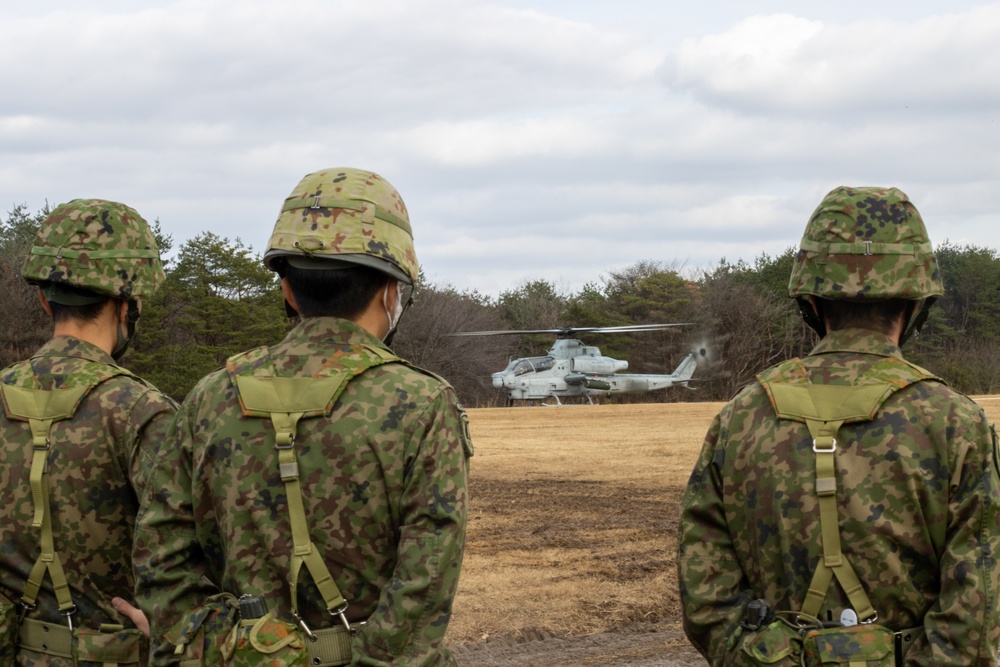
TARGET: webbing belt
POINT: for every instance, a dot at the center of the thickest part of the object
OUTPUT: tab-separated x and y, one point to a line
40	408
824	409
46	638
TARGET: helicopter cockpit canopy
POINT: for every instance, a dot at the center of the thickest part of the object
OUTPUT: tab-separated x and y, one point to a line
530	365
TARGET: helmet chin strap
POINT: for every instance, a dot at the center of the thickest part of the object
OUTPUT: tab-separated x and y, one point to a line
915	319
811	315
121	345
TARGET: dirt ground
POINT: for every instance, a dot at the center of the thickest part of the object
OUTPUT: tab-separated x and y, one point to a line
570	555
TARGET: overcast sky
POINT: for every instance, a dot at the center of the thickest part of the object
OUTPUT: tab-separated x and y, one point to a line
530	139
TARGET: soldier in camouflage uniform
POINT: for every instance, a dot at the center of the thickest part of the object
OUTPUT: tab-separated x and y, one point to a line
913	487
379	468
70	487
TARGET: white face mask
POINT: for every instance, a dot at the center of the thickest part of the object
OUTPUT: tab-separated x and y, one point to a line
397	308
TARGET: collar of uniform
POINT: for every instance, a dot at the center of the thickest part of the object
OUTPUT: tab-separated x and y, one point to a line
858	341
331	330
77	348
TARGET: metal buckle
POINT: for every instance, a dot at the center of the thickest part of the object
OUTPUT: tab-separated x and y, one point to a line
833	447
291	443
305	628
25	610
339	612
871	620
69	616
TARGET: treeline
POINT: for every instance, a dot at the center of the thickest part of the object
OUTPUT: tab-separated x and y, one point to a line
218	299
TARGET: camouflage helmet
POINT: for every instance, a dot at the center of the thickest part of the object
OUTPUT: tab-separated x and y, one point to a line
344	217
96	245
865	244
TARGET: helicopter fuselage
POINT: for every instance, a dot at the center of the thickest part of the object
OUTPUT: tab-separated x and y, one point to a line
574	369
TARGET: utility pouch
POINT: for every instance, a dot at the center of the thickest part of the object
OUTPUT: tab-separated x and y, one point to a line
868	645
111	645
203	636
266	641
8	632
778	644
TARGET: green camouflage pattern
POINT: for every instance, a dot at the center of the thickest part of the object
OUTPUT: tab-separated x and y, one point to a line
866	244
871	645
97	464
8	632
204	632
102	246
384	486
917	502
119	647
778	644
348	215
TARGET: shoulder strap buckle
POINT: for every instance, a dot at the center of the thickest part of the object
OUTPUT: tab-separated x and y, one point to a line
825	445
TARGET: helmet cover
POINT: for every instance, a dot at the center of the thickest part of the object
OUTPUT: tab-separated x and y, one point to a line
96	245
865	243
337	218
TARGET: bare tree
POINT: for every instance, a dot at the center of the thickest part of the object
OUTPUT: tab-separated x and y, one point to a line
747	330
24	326
466	362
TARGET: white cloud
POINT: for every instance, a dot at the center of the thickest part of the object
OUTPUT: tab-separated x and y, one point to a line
528	142
787	65
486	141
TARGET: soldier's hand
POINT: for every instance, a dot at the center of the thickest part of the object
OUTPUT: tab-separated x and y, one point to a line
134	614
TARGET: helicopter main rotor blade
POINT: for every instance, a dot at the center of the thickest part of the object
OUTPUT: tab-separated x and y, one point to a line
569	331
505	332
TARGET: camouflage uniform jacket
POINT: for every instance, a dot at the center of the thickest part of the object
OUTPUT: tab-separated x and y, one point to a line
384	487
96	467
917	502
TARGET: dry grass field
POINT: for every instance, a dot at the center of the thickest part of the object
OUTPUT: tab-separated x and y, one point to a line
572	532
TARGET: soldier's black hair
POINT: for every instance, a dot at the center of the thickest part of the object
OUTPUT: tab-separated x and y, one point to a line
82	314
343	293
879	316
62	312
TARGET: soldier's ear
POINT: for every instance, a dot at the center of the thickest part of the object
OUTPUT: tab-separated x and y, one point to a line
290	301
45	303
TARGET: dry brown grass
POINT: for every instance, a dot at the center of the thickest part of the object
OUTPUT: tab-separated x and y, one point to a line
573	517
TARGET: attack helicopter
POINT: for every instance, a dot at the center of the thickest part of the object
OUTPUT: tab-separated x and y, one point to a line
573	369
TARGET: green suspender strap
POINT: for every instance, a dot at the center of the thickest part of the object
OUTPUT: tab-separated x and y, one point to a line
824	408
40	408
286	400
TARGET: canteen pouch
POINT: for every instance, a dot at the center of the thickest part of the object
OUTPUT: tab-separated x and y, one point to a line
112	645
203	636
268	642
8	632
868	645
778	644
